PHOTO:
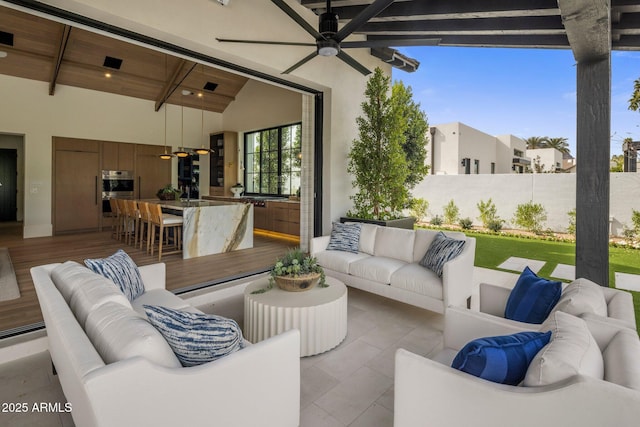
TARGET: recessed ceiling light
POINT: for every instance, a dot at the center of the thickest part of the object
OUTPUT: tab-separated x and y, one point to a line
107	75
3	54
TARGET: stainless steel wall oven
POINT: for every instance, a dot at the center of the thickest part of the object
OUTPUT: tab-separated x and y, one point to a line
116	184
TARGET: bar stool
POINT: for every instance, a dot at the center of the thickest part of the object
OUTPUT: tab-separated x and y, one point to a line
145	223
133	215
123	223
116	215
164	222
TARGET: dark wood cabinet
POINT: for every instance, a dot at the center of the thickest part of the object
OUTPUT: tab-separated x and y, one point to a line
76	189
223	163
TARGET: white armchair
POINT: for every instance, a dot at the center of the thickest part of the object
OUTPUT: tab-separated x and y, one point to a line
619	305
430	392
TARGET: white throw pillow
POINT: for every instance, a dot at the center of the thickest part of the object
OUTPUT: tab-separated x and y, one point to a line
582	296
572	351
119	333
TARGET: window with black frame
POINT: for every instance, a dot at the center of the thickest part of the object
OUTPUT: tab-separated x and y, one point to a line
273	161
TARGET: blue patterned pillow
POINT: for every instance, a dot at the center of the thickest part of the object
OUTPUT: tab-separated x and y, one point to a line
345	237
121	269
503	359
196	338
532	299
441	250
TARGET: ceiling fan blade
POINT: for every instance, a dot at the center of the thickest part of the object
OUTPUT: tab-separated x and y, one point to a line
301	62
355	64
299	19
391	43
265	42
369	12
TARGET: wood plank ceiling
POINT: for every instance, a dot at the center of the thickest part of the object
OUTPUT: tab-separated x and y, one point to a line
484	23
48	51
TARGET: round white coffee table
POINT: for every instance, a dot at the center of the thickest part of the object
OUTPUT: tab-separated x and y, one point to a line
320	314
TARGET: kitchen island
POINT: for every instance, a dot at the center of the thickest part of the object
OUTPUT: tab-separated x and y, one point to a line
212	227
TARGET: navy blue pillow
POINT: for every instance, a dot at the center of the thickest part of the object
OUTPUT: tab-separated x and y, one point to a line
503	359
532	299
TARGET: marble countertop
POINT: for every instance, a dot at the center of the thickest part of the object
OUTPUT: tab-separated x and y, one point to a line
181	205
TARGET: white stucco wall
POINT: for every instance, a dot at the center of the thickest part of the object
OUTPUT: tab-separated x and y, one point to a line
102	116
556	192
550	158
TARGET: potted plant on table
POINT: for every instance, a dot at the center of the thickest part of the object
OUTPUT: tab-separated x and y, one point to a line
388	158
168	193
296	271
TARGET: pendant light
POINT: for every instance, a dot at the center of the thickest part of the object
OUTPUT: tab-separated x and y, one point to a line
166	155
202	151
181	153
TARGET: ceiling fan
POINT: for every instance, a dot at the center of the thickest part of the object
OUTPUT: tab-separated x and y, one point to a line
329	40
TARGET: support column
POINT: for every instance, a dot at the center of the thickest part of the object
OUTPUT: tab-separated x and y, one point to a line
592	180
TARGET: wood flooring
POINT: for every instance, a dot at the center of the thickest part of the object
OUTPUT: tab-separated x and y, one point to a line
18	314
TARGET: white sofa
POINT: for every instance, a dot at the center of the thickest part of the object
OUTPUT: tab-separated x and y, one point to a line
387	264
145	387
619	305
430	392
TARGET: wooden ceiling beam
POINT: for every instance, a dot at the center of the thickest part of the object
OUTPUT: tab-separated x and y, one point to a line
170	85
588	25
62	46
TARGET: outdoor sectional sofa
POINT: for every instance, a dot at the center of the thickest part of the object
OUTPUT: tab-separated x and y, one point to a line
117	370
428	391
387	264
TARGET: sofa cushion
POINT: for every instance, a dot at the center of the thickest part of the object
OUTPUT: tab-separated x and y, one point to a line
121	269
70	275
532	298
119	333
367	243
338	260
621	360
415	278
376	268
572	351
582	296
441	250
345	237
502	359
196	338
424	238
395	243
94	292
163	298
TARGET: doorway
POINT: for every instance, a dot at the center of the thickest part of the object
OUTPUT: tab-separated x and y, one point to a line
8	184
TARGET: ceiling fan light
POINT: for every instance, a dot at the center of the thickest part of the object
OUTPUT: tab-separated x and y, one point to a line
328	47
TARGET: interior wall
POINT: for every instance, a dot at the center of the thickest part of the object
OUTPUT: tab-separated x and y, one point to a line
16	142
196	27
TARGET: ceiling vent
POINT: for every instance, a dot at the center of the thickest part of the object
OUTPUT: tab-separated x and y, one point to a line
111	62
210	86
6	38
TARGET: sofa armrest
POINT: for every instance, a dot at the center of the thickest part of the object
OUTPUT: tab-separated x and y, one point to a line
237	390
153	275
429	393
457	276
462	325
620	306
493	299
318	244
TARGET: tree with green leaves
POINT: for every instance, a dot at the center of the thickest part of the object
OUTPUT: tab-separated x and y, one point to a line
634	101
617	163
377	161
559	143
534	142
415	135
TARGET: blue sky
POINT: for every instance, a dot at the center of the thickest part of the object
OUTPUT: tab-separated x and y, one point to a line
524	92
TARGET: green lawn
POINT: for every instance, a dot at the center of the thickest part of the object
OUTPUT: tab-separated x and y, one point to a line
493	250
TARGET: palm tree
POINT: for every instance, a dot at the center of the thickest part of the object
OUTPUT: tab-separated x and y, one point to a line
559	143
534	142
